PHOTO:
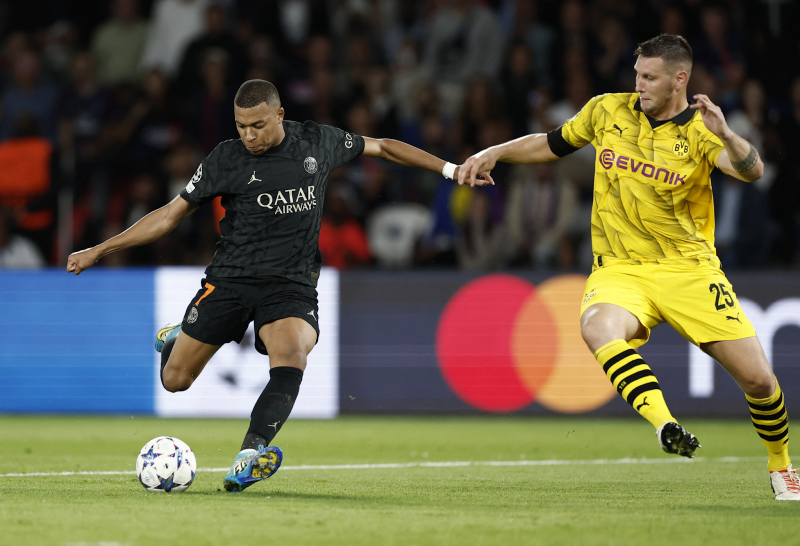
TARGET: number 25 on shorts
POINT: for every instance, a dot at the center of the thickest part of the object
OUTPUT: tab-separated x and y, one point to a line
727	299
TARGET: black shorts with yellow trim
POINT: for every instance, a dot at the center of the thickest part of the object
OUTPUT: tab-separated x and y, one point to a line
222	309
691	294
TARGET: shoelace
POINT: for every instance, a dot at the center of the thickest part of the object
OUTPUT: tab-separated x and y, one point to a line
792	481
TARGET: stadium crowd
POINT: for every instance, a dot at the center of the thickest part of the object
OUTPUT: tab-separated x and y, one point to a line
107	108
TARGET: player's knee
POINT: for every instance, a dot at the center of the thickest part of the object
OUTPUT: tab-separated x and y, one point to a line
596	331
289	354
175	381
759	386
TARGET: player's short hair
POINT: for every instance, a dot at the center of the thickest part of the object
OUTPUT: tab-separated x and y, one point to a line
673	49
254	92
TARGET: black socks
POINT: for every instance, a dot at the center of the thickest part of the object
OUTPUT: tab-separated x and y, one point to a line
165	351
273	406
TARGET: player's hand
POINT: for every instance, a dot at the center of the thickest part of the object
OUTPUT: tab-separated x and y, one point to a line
476	167
713	118
82	260
483	178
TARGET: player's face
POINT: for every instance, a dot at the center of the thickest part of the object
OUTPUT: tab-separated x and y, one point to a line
260	127
655	85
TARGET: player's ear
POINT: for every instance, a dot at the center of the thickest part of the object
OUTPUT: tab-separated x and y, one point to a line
681	79
281	113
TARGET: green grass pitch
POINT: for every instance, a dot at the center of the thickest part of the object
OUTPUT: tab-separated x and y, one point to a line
662	500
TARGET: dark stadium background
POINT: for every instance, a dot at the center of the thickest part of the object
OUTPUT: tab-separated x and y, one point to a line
107	108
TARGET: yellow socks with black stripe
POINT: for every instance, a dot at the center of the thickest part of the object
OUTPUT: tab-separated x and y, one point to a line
634	381
772	424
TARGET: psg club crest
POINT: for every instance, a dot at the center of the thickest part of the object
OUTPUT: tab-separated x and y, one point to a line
192	315
310	165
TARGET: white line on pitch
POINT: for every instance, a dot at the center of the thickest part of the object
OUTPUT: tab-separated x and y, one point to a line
551	462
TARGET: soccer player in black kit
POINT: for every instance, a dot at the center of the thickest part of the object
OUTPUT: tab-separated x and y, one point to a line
265	270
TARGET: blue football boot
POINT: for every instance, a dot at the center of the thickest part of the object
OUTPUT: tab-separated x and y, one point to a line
251	466
165	334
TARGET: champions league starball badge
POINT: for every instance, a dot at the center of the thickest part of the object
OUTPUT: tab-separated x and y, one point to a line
310	165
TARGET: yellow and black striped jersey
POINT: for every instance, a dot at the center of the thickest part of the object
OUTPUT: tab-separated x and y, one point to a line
652	187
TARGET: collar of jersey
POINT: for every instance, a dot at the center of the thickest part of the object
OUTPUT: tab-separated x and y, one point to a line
681	119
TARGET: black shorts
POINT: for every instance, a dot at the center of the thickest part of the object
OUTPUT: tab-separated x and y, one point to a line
222	309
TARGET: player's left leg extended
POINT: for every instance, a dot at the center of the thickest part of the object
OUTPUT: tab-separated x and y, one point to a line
288	342
617	314
744	359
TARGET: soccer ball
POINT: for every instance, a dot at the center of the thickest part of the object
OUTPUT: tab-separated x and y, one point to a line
165	464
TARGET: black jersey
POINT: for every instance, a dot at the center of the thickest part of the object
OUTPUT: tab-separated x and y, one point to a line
273	201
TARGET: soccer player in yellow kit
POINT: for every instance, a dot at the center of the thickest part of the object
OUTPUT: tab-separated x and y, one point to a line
653	241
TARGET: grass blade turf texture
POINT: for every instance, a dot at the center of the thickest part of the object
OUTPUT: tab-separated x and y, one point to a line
707	501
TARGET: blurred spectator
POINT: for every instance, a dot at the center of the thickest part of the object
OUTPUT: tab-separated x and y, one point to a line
16	252
721	51
482	242
785	192
519	80
573	43
464	41
15	45
215	38
537	36
149	126
395	230
381	102
480	106
209	117
539	212
342	240
407	27
672	22
26	183
29	94
302	19
84	110
174	25
407	79
751	123
613	58
59	50
119	43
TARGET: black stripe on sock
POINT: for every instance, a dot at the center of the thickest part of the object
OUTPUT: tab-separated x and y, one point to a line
780	436
775	405
614	359
626	367
758	417
772	428
652	386
634	377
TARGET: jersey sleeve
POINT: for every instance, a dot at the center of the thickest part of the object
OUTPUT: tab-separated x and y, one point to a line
207	181
711	147
340	146
577	132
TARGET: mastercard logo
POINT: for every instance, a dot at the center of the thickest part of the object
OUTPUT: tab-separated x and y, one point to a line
503	343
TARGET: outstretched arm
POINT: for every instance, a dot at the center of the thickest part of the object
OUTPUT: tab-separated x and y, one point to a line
739	159
406	155
528	149
153	226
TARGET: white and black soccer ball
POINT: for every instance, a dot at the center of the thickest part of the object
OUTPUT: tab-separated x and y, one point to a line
165	464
